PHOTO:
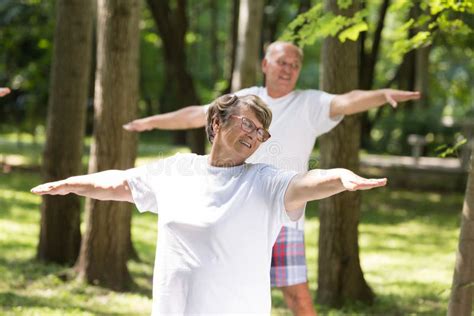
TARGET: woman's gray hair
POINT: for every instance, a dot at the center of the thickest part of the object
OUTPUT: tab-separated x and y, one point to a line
229	104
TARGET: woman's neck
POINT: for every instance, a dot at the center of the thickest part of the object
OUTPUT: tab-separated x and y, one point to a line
218	158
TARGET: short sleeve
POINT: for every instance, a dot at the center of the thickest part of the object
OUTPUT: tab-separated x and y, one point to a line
149	183
205	108
143	182
275	183
319	106
243	92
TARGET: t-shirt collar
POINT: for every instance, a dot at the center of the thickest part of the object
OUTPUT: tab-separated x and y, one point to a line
280	99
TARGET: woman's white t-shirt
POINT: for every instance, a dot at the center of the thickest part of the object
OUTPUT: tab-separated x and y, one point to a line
216	230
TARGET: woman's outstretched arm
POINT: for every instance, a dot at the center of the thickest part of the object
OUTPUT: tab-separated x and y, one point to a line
319	184
110	185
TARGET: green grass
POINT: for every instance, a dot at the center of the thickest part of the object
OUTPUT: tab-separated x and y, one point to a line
407	250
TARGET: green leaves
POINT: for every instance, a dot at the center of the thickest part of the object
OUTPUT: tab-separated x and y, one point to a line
401	47
352	33
344	4
317	24
445	150
432	16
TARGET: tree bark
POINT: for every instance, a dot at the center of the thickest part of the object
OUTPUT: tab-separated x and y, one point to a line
214	43
368	61
106	244
229	63
172	25
462	290
274	10
422	57
422	61
60	235
304	5
247	58
340	276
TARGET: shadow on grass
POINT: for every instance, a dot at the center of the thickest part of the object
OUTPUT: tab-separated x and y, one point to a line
20	274
395	206
10	300
388	305
383	305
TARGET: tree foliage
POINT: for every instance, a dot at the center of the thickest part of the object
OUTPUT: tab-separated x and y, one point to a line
444	27
438	16
26	32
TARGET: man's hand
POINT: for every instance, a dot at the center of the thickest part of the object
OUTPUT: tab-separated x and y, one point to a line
188	117
394	96
136	126
4	91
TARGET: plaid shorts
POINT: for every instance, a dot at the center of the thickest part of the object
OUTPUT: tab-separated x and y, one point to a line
288	258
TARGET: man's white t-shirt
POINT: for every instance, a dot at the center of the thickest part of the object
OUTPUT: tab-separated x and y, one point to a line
298	119
216	230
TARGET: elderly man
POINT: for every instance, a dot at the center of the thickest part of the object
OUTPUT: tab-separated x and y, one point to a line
300	116
219	216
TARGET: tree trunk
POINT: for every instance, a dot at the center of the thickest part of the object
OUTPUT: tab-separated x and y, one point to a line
422	62
229	63
406	78
172	24
213	41
368	61
462	290
304	5
422	57
60	235
247	58
274	10
106	244
340	276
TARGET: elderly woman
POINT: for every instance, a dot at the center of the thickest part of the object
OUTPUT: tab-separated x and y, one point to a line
218	216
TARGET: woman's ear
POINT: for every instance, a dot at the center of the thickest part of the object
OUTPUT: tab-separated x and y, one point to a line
215	124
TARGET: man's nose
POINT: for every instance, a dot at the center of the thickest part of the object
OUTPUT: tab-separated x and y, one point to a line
287	68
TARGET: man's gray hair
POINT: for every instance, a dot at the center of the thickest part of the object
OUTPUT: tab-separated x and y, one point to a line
272	46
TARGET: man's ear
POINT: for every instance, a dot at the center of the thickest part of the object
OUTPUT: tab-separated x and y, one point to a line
264	65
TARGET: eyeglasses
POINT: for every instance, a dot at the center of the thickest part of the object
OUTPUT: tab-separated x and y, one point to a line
293	66
248	126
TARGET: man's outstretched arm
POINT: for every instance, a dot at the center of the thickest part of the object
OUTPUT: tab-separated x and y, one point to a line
110	185
358	101
319	184
4	91
193	116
